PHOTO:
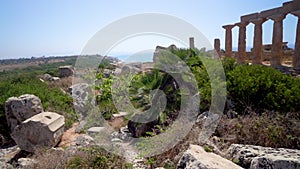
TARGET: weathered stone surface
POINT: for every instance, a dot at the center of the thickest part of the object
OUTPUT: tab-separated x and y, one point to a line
277	51
25	162
42	130
247	18
159	48
228	40
192	42
270	12
79	93
296	59
95	130
196	157
257	157
47	77
242	42
66	71
257	40
84	140
19	109
121	114
217	46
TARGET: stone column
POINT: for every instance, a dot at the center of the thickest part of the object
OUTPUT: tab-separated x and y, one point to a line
217	46
296	60
192	43
242	42
257	41
277	40
228	40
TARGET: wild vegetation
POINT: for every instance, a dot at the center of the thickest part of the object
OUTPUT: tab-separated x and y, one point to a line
26	81
257	91
262	105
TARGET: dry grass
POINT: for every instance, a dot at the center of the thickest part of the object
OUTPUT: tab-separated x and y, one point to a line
269	129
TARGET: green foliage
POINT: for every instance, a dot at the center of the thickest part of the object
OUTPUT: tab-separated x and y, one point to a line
207	149
259	88
97	157
25	81
104	100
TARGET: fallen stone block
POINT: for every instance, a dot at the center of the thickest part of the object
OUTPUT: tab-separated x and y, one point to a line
43	130
197	157
95	130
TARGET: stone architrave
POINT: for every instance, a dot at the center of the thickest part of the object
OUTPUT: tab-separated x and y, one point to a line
217	47
257	41
228	40
277	40
242	42
296	60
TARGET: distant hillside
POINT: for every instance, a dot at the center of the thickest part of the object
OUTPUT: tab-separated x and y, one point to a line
12	64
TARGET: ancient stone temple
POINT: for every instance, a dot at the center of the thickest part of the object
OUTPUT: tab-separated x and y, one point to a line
277	15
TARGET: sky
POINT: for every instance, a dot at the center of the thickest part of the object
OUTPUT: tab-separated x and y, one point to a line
63	27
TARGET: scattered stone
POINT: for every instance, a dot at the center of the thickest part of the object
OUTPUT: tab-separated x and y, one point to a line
121	114
19	109
95	130
257	157
116	140
84	140
196	157
49	78
25	162
40	131
66	71
107	73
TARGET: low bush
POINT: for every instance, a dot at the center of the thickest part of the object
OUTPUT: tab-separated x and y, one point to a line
258	88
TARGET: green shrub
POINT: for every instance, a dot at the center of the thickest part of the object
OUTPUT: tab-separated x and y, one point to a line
259	88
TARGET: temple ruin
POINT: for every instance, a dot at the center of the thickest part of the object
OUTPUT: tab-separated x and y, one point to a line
277	15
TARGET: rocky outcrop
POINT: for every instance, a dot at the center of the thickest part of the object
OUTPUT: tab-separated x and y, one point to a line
257	157
66	71
42	130
19	109
196	157
79	93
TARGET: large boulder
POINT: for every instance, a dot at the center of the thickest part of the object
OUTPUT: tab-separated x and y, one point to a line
66	71
43	130
196	157
19	109
257	157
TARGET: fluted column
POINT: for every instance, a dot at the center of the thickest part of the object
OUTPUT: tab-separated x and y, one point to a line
296	60
242	42
217	47
277	52
257	41
228	40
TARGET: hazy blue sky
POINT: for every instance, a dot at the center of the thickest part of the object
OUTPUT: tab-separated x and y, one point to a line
63	27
